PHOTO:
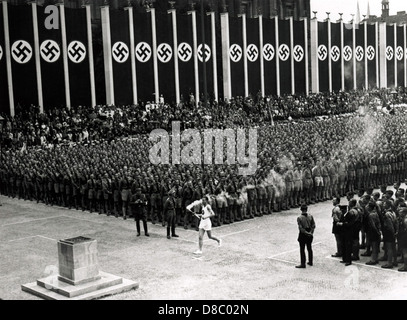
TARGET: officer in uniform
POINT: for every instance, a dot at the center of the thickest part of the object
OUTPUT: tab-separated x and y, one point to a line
170	214
138	206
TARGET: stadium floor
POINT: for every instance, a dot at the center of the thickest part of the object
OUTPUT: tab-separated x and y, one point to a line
255	262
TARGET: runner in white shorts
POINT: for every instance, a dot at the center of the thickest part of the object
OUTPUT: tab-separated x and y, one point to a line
205	224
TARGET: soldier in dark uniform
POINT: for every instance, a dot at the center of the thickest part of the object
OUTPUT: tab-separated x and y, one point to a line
75	185
155	200
116	195
170	214
91	187
83	182
107	193
231	189
38	185
307	183
68	189
138	204
261	196
252	197
125	194
99	194
187	194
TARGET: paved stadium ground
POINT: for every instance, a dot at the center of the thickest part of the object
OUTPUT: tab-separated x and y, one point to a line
256	260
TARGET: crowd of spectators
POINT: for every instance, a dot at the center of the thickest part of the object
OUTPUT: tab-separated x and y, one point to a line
30	127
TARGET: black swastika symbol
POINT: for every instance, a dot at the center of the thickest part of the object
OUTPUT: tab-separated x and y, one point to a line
335	53
389	53
184	52
347	53
370	53
235	52
143	52
76	52
284	52
121	52
164	53
400	53
298	53
322	52
22	52
359	53
268	52
50	51
201	53
252	52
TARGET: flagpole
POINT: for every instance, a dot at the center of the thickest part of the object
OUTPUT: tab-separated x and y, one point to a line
214	56
261	56
90	50
37	55
132	55
205	85
107	52
65	57
173	13
277	56
8	58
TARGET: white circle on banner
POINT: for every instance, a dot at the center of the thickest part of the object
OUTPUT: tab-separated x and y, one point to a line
21	51
347	53
184	52
235	52
143	52
399	53
359	53
322	52
252	52
120	52
208	53
50	51
370	53
164	52
389	53
76	51
298	53
284	52
268	52
335	53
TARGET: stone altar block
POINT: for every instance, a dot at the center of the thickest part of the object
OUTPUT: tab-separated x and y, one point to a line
79	276
78	260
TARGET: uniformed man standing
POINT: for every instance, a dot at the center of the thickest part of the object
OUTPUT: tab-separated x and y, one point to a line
169	213
306	226
138	205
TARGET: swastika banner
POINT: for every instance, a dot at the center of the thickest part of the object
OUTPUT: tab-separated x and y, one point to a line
207	51
268	55
52	68
371	55
4	96
299	56
390	56
185	56
253	54
78	57
322	53
347	52
119	26
165	56
144	56
335	56
284	55
236	56
360	55
22	55
400	56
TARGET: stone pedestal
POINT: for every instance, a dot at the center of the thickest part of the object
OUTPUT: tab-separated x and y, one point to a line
78	260
79	276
